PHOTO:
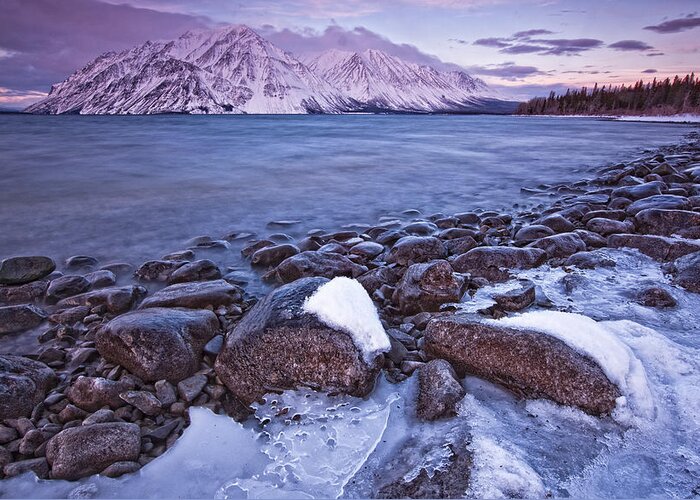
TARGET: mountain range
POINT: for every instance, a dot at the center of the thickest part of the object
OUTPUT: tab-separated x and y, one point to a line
235	70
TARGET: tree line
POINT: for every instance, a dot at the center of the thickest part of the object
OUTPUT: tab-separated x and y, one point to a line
659	97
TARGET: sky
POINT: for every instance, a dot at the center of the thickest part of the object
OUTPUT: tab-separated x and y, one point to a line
522	48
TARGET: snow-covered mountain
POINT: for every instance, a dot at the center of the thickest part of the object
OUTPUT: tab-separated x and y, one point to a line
385	82
235	70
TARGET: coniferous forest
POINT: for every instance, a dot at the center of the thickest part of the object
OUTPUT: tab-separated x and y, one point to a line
679	95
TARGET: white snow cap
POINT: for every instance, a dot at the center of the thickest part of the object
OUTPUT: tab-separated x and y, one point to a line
599	342
343	304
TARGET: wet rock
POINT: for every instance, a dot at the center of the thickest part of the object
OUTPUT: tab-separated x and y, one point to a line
195	295
668	222
213	347
531	364
158	270
165	392
115	299
158	343
367	249
119	268
458	246
495	263
191	387
606	227
20	318
560	245
186	255
144	401
67	286
589	260
641	191
425	287
38	466
93	393
517	299
662	201
199	270
534	232
687	272
619	215
254	246
100	417
23	294
86	450
439	390
317	264
656	297
658	248
78	262
556	223
415	249
390	237
278	345
374	279
272	256
101	279
118	469
421	228
23	385
21	270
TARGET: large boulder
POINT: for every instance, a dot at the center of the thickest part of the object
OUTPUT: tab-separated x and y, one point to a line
640	191
273	255
67	286
560	245
533	232
668	222
659	248
317	264
414	249
199	270
313	332
531	364
20	318
158	270
687	272
439	391
20	270
661	201
82	451
23	384
116	300
22	294
158	343
495	263
195	295
606	227
425	287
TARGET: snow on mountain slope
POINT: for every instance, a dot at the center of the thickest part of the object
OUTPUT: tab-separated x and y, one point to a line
230	70
382	81
235	70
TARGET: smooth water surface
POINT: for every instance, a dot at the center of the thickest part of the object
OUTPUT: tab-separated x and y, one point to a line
130	188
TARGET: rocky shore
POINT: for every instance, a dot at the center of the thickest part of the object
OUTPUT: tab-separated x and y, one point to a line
124	352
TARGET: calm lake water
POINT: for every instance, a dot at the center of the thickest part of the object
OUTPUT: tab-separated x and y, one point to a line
132	188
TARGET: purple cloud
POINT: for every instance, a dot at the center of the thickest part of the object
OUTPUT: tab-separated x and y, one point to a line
507	71
529	33
523	49
676	25
568	46
650	71
629	45
493	42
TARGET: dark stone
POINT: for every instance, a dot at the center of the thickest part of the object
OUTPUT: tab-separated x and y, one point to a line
102	278
21	270
254	246
144	401
186	255
641	191
23	294
199	270
518	298
374	279
191	387
415	249
86	450
20	318
619	215
459	246
317	264
495	263
77	262
556	223
534	232
158	270
607	227
668	222
687	272
425	287
116	300
272	256
367	249
93	393
67	286
661	201
560	245
658	248
656	297
118	469
38	466
439	391
531	364
589	260
157	343
278	346
23	385
195	295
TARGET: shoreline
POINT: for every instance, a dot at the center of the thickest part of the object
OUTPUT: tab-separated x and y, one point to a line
414	272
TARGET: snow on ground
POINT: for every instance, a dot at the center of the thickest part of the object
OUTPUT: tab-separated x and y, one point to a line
687	118
344	304
599	342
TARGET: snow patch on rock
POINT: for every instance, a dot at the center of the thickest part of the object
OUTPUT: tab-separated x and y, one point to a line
599	342
343	304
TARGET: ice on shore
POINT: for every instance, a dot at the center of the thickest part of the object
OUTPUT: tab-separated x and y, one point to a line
344	304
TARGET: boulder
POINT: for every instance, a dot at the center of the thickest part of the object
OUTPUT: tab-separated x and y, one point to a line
82	451
658	248
374	279
21	270
79	262
158	270
560	245
517	299
158	343
22	294
656	297
607	227
531	364
668	222
199	270
640	191
23	385
20	318
439	391
495	263
414	249
591	239
67	286
273	255
313	332
534	232
101	279
557	223
195	295
317	264
367	249
589	260
687	272
425	287
661	201
458	246
92	393
116	300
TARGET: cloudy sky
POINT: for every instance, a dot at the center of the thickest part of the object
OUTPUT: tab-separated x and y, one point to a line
522	47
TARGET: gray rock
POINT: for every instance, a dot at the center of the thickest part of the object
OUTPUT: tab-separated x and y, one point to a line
425	287
191	387
661	201
656	297
21	270
158	270
496	263
668	222
93	393
195	295
165	392
101	279
77	262
199	270
367	249
687	272
317	264
116	300
589	260
439	391
518	298
273	255
23	385
38	466
606	227
23	294
118	469
86	450
416	249
20	318
557	223
560	245
100	417
67	286
158	343
640	191
659	248
214	346
144	401
532	233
